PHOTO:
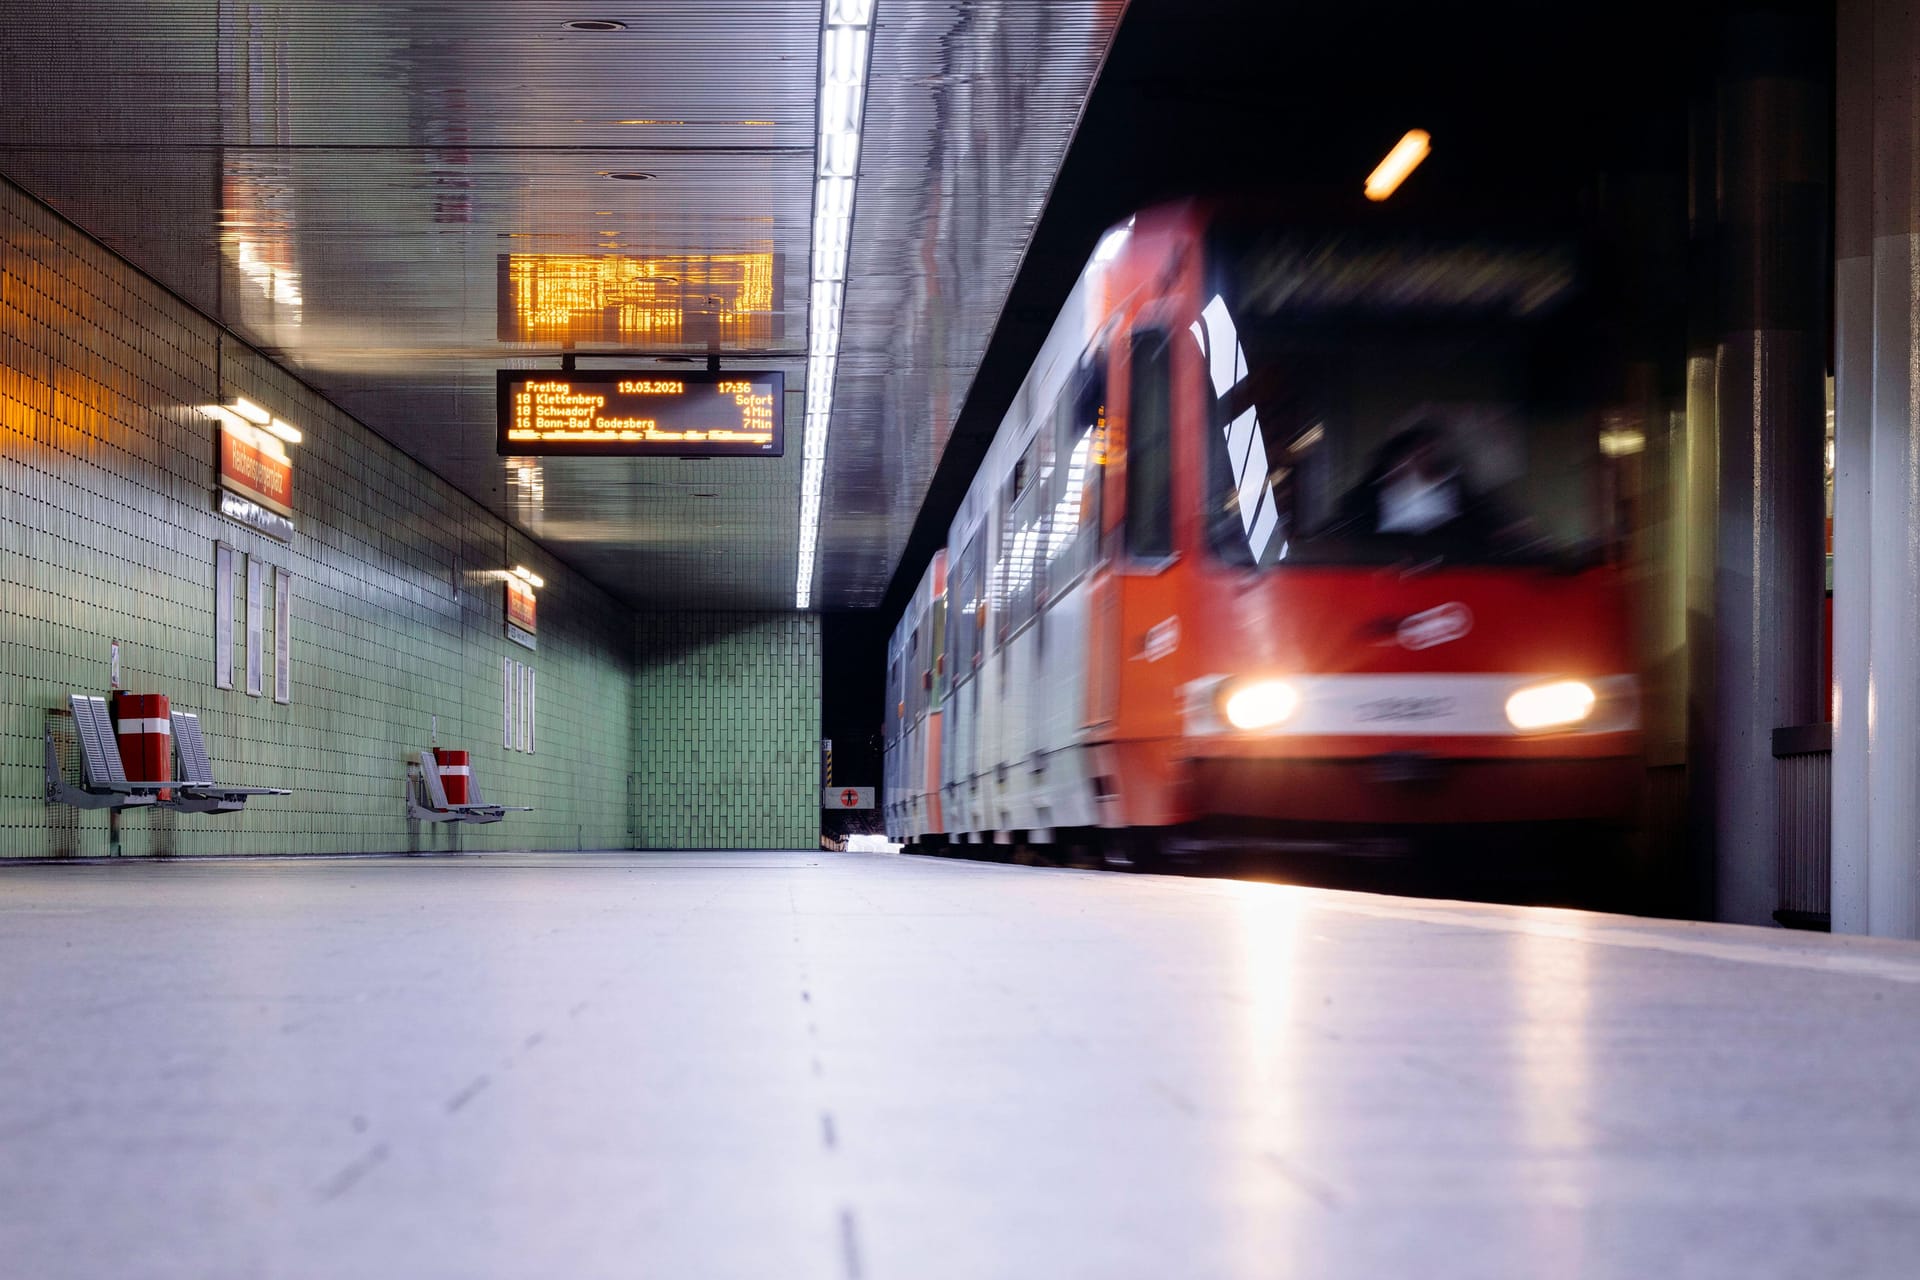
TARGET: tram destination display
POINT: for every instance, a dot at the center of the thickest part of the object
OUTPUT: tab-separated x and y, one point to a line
642	414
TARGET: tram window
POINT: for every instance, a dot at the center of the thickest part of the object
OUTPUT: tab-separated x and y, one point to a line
970	628
1149	449
1021	549
1001	573
893	698
938	658
1075	502
959	620
963	614
1041	456
1062	522
916	691
1371	400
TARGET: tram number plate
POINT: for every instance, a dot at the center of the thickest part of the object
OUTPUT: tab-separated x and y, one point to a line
1405	710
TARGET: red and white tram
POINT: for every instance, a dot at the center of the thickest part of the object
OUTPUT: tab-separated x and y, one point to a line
1283	532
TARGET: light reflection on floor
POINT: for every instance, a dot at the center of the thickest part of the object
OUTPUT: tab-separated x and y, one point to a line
838	1065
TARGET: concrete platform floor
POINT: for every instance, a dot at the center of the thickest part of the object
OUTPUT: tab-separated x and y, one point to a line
848	1066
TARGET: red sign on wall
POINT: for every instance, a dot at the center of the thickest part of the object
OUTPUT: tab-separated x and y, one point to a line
521	607
255	466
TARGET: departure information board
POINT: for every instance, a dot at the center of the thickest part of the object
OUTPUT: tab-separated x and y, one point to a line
624	413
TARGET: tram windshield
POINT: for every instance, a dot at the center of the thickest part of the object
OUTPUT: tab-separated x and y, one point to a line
1374	402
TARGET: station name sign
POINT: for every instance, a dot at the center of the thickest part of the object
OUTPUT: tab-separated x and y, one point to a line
256	472
642	414
523	614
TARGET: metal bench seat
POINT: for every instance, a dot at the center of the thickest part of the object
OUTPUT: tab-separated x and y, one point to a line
103	779
427	796
197	792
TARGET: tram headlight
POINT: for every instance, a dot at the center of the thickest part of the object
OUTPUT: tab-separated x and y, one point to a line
1260	704
1549	706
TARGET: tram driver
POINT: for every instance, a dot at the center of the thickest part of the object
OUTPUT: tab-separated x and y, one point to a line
1417	486
1414	486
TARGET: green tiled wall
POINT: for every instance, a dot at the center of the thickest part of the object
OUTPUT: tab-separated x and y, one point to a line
107	530
726	709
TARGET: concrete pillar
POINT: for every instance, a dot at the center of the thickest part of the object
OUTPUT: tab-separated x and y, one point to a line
1876	759
1771	166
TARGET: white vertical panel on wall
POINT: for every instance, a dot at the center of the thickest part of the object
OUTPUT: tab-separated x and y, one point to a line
256	625
506	686
282	636
222	616
520	691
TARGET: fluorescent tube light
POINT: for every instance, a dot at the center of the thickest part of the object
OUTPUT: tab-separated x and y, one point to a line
844	54
250	411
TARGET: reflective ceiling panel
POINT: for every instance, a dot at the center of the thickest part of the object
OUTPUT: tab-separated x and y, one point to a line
397	199
967	124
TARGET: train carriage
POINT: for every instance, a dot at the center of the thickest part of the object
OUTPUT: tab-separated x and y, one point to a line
1286	532
916	691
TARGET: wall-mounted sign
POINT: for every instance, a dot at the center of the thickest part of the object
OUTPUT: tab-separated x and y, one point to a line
846	798
250	513
522	613
256	474
629	413
255	465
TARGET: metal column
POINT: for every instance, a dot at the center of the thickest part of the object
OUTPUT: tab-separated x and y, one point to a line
1770	169
1852	471
1876	756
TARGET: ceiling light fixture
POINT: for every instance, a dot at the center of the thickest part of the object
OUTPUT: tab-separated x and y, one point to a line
1401	161
528	576
844	39
250	420
225	416
250	411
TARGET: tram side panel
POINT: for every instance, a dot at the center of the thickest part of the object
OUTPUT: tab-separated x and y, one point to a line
1079	428
960	712
1017	631
893	790
1013	773
910	717
922	724
1010	489
992	716
991	674
926	778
